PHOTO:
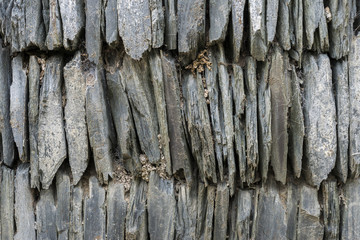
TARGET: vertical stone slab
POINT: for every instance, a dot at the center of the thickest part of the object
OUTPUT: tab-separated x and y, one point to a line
198	124
24	201
252	149
35	29
221	211
73	22
46	216
161	205
93	15
111	21
18	107
258	39
18	25
350	211
63	200
33	116
205	211
7	203
331	209
191	27
116	206
7	139
219	18
46	15
136	218
244	211
157	23
75	117
319	113
293	198
237	27
179	149
157	80
272	12
296	29
94	211
76	214
54	38
137	80
341	78
170	25
354	96
51	134
264	110
135	26
99	124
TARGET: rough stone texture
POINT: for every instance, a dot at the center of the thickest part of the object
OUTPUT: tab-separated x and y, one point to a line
350	217
51	134
205	211
111	21
354	96
136	218
116	211
157	23
331	206
244	204
258	40
76	214
18	107
46	215
62	204
296	29
24	209
219	18
35	29
94	211
190	27
7	203
340	76
33	117
75	117
161	205
237	27
137	81
221	211
198	124
18	26
319	113
279	83
93	15
283	26
272	12
7	139
73	21
54	36
170	24
99	124
135	26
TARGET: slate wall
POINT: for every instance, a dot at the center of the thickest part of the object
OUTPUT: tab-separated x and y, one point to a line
187	119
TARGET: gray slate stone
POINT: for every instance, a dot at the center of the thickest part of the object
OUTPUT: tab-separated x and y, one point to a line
237	27
161	206
51	134
283	27
94	211
191	28
331	209
100	129
135	26
264	110
33	118
18	26
219	18
75	117
243	212
296	29
170	25
198	124
24	201
136	218
46	14
55	34
7	203
350	216
46	216
205	211
320	123
116	211
157	23
341	78
221	211
93	16
35	29
63	204
18	107
76	214
354	95
258	39
272	12
137	80
73	21
111	20
179	149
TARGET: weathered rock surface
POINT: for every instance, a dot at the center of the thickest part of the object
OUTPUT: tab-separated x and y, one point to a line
221	211
319	113
35	29
331	206
111	21
170	25
76	214
350	217
51	134
75	117
272	12
54	38
46	215
18	26
93	15
157	23
237	27
258	39
7	203
283	25
62	204
219	18
205	211
116	211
